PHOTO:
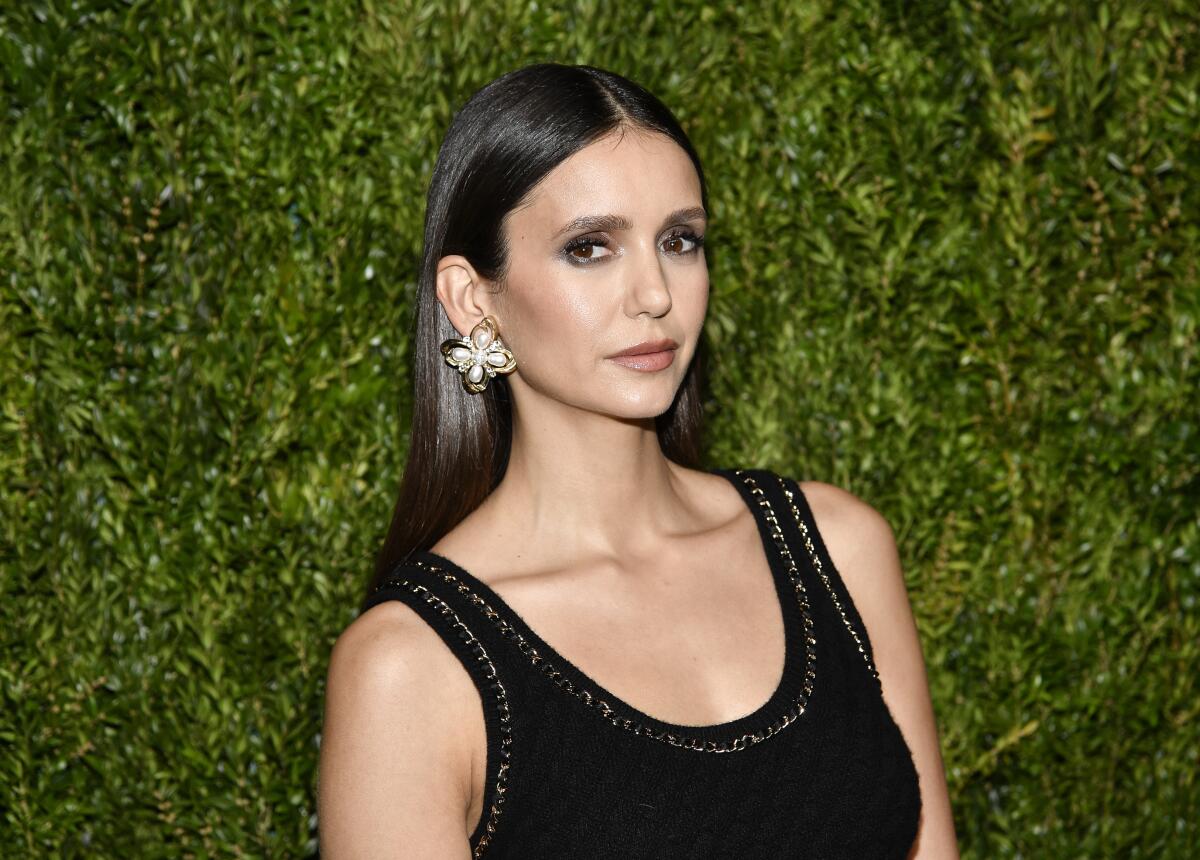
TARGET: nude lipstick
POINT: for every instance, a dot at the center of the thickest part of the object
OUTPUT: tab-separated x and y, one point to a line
647	356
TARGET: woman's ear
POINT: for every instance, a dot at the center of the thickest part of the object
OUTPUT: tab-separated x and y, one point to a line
462	292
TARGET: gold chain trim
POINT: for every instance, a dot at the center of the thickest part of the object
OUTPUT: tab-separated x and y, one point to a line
746	740
481	655
808	544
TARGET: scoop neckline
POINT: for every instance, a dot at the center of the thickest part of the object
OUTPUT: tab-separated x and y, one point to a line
770	711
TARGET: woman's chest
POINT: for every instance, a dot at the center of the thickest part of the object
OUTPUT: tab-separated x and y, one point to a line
836	782
692	649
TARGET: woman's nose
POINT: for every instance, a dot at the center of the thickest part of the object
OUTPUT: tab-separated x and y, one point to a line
648	292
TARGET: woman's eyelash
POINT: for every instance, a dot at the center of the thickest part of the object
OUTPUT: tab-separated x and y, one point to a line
696	240
583	242
593	241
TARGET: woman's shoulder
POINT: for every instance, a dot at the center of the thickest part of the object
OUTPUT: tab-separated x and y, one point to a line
396	651
861	544
390	652
859	540
395	697
390	668
839	512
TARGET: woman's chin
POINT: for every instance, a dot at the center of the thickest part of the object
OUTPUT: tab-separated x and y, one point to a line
644	404
638	396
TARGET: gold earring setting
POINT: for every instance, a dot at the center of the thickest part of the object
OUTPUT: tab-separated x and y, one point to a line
479	356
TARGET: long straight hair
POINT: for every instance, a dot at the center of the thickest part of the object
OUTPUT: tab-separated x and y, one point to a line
506	138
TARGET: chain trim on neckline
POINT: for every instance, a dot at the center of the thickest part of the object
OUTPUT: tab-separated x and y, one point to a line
598	704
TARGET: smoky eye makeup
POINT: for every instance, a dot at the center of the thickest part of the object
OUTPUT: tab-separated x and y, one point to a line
582	250
692	240
679	242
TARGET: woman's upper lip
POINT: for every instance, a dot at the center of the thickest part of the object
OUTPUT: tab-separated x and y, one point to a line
647	346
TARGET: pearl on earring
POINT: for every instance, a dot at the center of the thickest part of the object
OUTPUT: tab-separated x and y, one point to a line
479	356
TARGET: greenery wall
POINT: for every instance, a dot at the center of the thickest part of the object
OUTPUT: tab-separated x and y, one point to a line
954	267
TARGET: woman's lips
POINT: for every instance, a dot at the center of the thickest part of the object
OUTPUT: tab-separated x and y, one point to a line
647	361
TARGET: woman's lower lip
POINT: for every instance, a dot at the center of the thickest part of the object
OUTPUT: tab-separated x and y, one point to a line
647	360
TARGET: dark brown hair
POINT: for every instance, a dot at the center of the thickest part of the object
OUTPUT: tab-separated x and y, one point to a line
500	145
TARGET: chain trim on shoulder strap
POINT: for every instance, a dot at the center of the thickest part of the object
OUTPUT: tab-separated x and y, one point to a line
505	720
812	552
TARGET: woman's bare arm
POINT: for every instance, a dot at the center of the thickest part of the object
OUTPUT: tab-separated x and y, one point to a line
863	549
395	761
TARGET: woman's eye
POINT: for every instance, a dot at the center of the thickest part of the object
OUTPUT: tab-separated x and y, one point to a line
586	250
682	243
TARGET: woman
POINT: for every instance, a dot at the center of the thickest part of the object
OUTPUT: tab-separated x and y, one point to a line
578	643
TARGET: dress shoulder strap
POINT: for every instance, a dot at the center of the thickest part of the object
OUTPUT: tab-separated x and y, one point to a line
802	528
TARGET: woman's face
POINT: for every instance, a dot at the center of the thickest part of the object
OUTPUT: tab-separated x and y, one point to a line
606	254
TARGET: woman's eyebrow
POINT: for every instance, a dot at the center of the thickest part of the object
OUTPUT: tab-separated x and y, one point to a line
594	222
690	213
620	222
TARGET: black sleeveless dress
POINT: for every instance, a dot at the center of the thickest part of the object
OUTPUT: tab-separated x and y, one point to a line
820	770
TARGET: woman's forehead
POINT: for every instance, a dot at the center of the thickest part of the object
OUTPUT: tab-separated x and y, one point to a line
632	174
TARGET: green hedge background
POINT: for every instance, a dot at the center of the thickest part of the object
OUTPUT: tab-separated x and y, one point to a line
954	270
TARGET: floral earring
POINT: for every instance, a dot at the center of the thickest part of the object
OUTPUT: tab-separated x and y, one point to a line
480	356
